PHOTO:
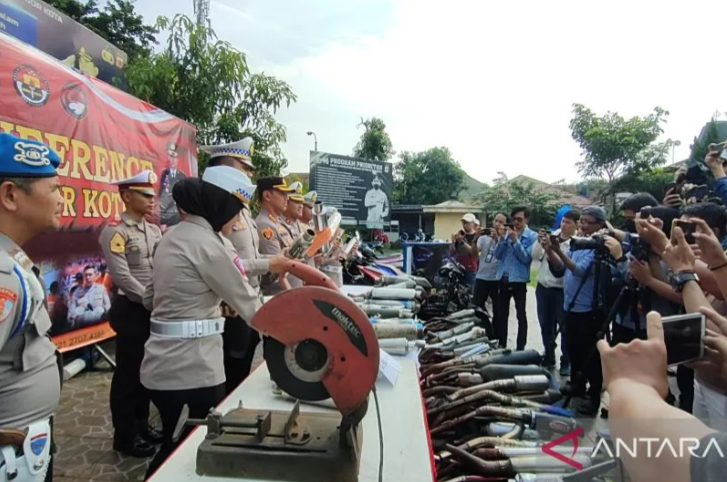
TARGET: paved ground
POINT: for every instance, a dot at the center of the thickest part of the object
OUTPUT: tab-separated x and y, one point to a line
84	431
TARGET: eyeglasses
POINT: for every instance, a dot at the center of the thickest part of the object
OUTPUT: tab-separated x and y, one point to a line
518	219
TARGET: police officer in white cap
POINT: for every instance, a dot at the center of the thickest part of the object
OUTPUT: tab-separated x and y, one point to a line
195	269
240	340
128	247
30	381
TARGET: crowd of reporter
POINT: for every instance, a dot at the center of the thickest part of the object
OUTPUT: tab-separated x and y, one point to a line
605	290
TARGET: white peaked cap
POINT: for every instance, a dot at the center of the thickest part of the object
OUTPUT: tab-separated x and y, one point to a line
142	182
231	180
241	150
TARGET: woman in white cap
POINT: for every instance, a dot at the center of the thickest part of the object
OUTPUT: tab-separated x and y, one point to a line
195	269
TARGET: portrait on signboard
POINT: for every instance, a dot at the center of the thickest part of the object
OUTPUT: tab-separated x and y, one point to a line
377	204
168	213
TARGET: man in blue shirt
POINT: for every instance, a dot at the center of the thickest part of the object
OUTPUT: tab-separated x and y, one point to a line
515	257
583	320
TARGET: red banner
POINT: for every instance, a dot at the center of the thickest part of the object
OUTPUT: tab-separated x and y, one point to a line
102	135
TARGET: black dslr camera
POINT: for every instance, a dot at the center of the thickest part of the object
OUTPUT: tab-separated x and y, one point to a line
597	242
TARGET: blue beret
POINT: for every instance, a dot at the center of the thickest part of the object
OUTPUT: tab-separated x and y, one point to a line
26	158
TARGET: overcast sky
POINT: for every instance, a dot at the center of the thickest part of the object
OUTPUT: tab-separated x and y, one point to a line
492	81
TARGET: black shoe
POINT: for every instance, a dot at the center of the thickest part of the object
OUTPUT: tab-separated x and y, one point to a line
569	390
139	448
151	435
588	407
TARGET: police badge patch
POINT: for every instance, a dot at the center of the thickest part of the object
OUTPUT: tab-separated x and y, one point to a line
7	302
268	233
117	244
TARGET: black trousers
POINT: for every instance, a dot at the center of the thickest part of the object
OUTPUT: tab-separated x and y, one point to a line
239	341
581	337
623	334
170	403
508	291
129	398
488	289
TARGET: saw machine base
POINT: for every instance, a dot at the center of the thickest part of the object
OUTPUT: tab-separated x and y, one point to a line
279	445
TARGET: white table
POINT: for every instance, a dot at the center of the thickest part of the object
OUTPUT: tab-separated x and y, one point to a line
406	445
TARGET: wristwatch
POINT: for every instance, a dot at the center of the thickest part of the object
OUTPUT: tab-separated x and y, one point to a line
680	279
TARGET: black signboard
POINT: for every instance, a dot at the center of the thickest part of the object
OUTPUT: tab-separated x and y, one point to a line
360	189
42	26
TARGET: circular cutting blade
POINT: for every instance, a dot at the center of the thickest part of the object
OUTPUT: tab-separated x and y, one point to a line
279	359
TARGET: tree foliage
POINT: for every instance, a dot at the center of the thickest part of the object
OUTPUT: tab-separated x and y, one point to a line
651	181
701	148
428	177
206	81
375	143
117	22
614	146
504	195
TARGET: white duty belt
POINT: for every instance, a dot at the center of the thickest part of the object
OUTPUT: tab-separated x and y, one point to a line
188	329
30	462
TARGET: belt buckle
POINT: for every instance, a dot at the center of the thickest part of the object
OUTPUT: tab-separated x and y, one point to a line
200	328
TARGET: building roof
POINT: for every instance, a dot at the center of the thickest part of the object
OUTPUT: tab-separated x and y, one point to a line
564	196
453	207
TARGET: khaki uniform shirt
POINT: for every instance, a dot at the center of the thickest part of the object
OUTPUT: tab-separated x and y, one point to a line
246	240
30	382
128	248
274	239
295	231
196	269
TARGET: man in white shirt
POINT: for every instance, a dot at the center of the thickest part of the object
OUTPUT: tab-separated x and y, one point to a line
486	282
549	293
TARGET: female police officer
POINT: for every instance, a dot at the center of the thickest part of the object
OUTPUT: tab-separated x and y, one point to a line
195	268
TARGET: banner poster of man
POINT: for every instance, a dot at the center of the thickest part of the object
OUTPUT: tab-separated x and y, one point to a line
359	188
168	214
103	136
79	293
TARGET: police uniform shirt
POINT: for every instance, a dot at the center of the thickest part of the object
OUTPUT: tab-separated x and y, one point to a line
274	236
128	248
197	269
30	384
293	228
246	241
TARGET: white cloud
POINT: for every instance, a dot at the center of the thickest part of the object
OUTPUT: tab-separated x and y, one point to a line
493	81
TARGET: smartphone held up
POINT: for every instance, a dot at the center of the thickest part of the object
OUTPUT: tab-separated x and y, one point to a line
684	337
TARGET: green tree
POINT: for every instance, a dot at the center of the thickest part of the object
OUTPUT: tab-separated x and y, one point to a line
118	23
701	148
375	143
428	177
651	181
614	146
206	81
504	195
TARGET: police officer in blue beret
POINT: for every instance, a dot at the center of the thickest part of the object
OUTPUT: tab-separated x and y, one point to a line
30	382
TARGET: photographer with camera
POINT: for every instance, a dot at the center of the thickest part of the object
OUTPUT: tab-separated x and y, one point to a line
549	292
710	393
486	284
583	303
462	246
632	205
515	257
